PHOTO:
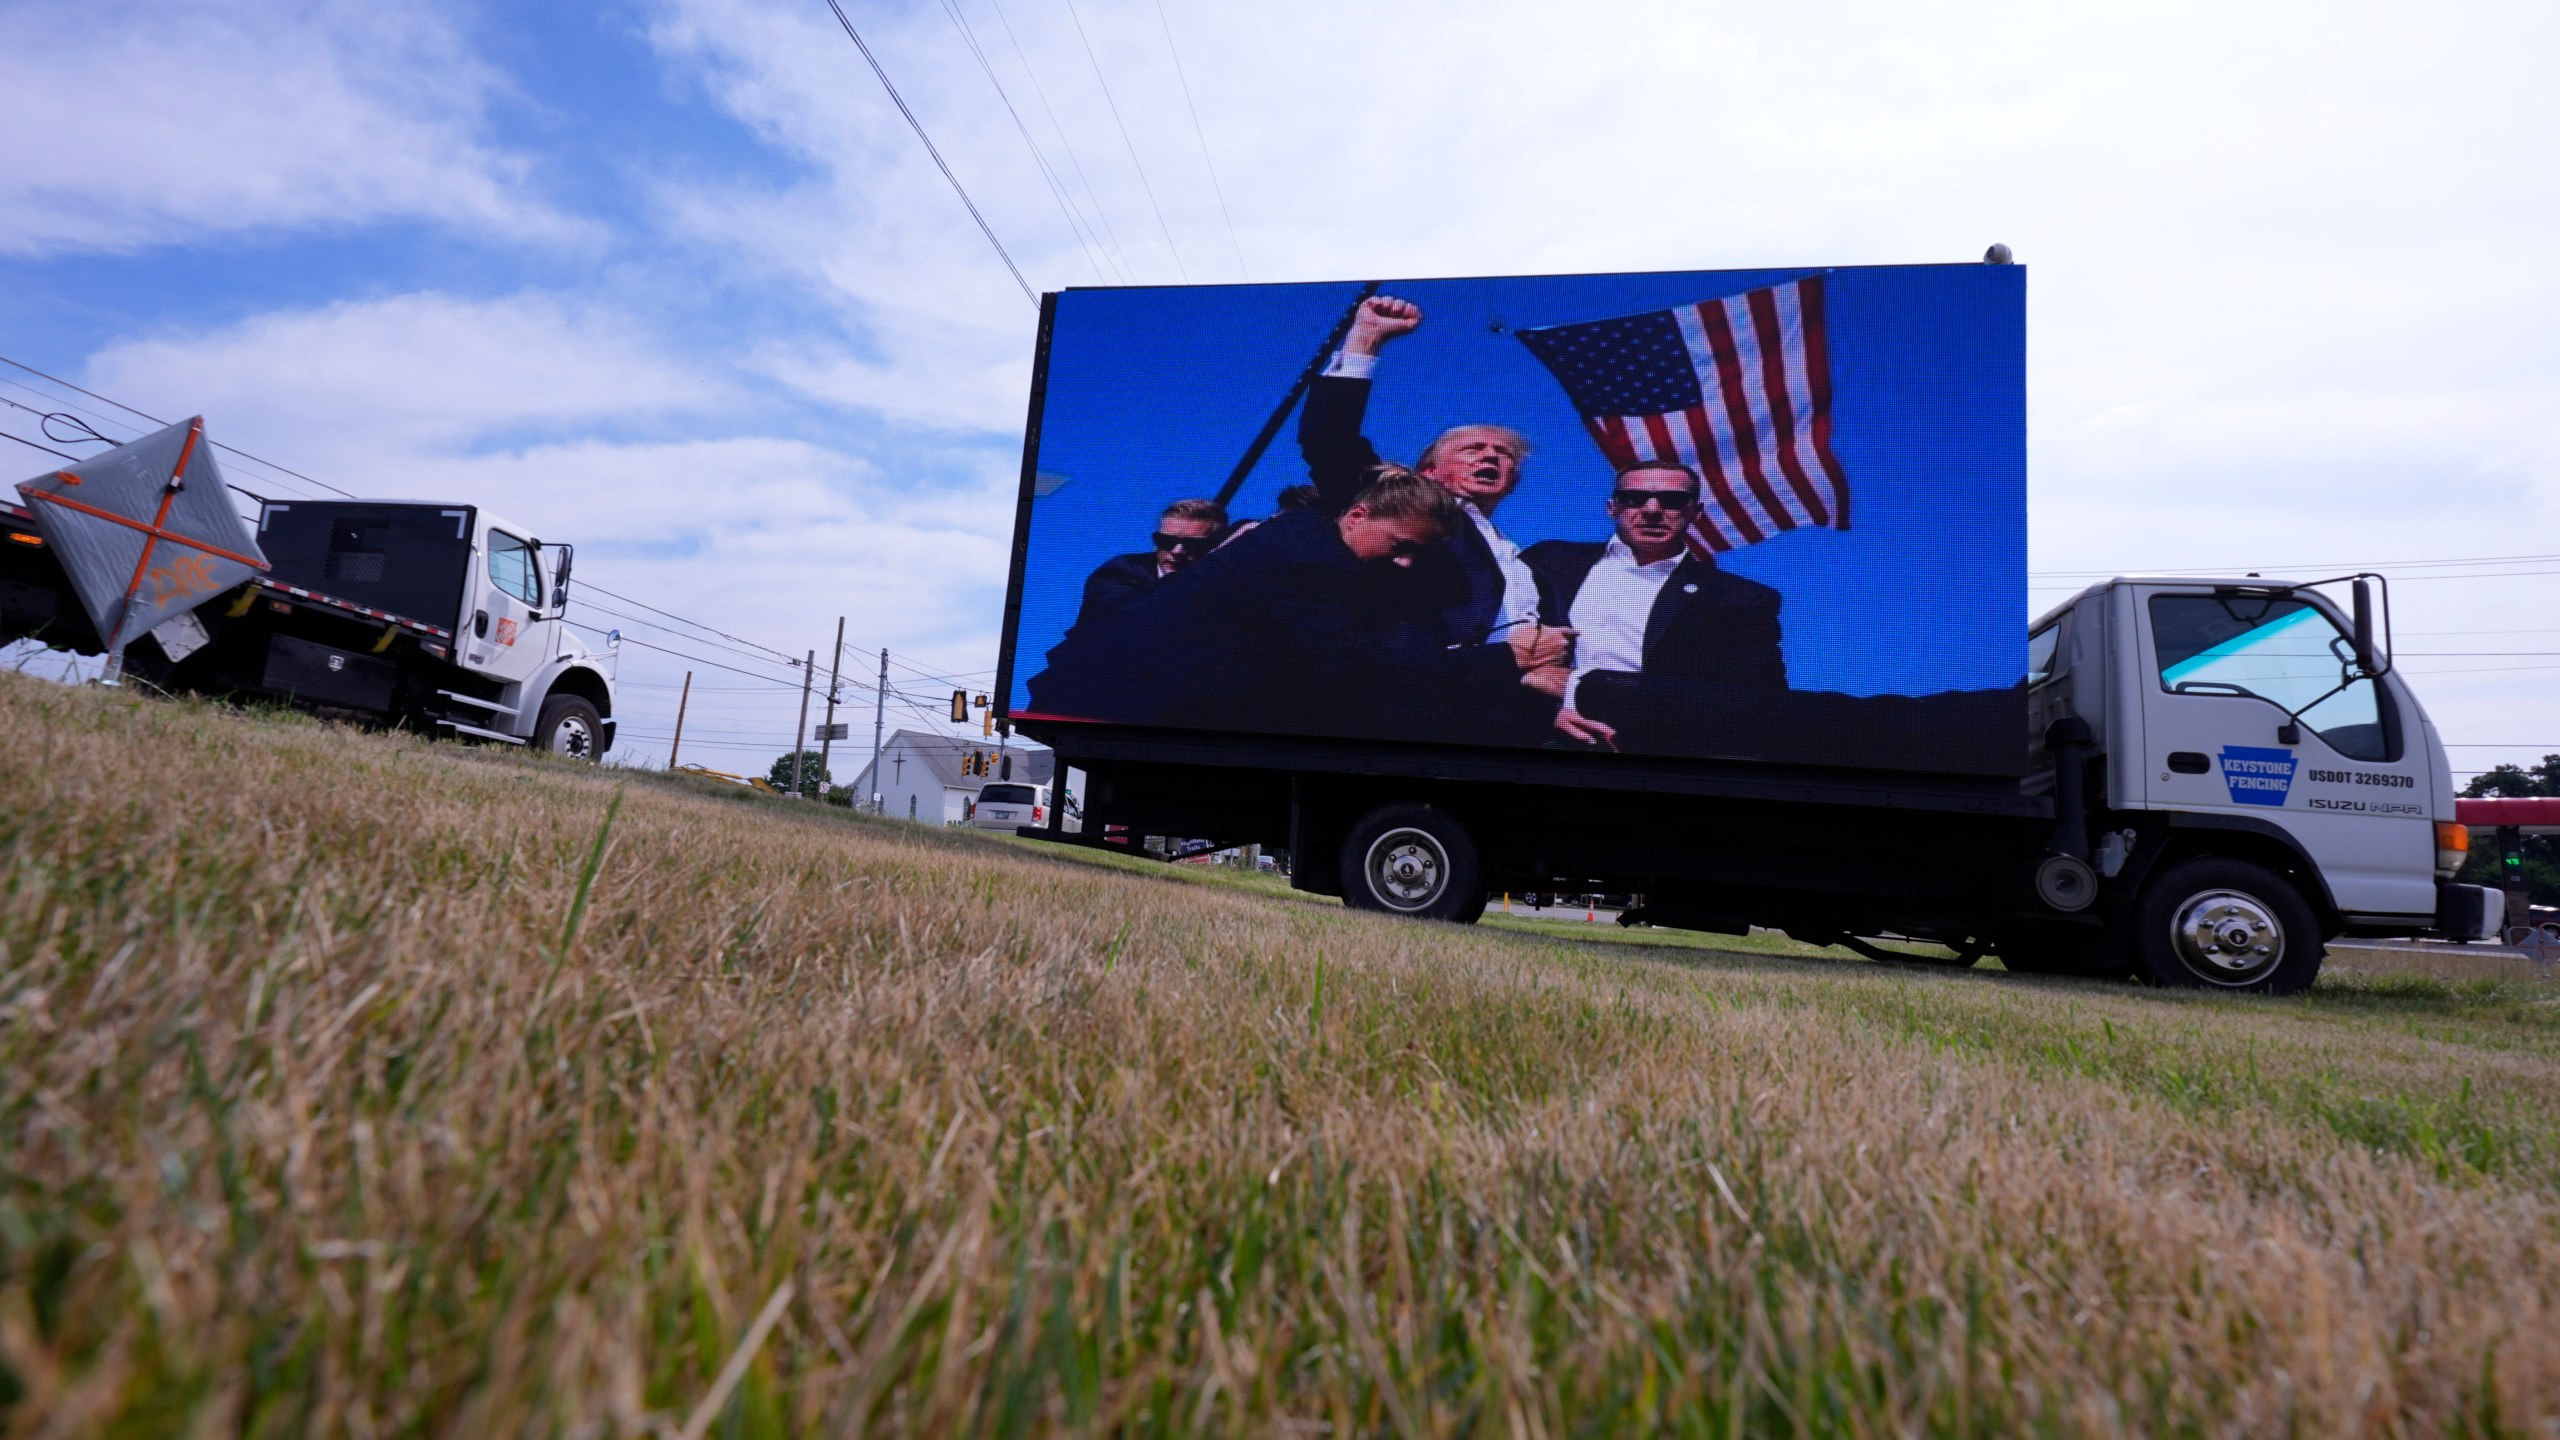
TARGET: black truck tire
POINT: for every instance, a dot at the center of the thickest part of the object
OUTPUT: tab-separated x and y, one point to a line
2217	924
570	726
1412	860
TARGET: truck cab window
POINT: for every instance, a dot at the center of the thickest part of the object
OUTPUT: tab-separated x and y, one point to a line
512	567
2042	646
2279	649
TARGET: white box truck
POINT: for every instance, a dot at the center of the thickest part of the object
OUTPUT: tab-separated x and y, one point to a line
1701	588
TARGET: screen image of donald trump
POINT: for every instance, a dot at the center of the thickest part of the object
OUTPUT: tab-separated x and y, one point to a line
1623	514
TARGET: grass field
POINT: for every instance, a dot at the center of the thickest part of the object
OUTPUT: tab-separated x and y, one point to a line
353	1084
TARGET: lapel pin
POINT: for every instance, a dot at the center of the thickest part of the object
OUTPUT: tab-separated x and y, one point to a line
1689	589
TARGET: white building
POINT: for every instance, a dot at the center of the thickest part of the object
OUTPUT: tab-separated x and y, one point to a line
920	775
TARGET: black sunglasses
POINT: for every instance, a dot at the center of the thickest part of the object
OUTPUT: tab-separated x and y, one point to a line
1184	542
1667	499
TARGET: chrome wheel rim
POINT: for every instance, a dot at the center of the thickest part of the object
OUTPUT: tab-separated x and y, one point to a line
573	737
2228	937
1408	869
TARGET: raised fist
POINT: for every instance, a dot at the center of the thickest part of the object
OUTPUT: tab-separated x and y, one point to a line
1381	319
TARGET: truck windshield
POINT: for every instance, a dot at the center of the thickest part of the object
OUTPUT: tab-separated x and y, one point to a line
1005	795
2276	648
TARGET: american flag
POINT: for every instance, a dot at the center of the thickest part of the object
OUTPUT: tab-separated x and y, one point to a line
1738	389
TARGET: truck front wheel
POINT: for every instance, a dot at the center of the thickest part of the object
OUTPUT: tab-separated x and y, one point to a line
2216	924
1412	860
570	726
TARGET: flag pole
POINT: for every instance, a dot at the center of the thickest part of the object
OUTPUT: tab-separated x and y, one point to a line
1289	402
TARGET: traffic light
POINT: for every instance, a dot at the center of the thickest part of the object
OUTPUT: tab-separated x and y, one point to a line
959	707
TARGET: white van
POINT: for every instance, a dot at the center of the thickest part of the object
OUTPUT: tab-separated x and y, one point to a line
1008	803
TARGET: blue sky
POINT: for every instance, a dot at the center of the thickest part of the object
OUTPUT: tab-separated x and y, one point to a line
672	279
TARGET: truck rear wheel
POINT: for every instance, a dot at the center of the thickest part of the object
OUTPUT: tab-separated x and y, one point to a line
1412	860
2216	924
570	726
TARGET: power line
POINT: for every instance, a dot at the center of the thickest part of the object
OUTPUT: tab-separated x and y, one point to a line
1108	99
696	659
30	444
935	675
156	420
678	634
81	417
900	101
1120	251
1198	134
1057	191
757	690
696	624
2306	565
2395	579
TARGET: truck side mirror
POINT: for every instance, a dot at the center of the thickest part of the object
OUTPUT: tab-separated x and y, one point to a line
560	577
2364	628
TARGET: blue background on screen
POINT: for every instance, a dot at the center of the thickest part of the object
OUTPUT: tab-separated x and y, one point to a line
1153	395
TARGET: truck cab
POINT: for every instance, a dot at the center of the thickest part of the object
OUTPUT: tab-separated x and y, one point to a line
2252	737
551	690
446	617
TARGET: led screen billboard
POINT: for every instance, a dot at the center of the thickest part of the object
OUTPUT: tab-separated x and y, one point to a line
1760	515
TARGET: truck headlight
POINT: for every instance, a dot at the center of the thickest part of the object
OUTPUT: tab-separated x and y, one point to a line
2453	846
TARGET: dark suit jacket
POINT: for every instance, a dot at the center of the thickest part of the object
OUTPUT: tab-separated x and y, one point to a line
1711	649
1705	624
1115	580
1456	584
1282	629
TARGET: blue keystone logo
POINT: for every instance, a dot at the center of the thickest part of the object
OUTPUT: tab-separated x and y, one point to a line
2257	776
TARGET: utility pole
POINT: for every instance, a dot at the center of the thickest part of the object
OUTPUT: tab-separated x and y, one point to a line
800	737
827	736
879	708
678	743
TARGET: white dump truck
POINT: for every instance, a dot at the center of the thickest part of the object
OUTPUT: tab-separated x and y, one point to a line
438	617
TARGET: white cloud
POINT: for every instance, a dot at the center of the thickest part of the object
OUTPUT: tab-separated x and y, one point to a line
350	382
137	125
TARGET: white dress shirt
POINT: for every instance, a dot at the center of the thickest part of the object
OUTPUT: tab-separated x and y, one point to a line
1519	584
1610	612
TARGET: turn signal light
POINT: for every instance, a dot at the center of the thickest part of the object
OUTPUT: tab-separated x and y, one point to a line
2453	845
21	537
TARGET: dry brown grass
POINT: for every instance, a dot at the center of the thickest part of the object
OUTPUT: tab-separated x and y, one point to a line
317	1115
